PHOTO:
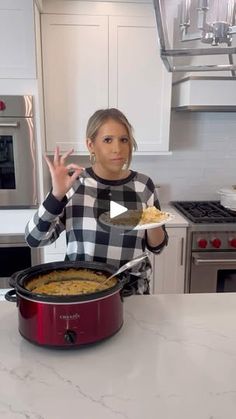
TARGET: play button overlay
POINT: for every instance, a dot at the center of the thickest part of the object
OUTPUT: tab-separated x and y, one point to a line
112	202
116	209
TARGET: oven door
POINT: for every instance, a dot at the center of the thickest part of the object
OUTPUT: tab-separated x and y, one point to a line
213	272
17	163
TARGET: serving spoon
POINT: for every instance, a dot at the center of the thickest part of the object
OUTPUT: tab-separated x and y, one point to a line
126	266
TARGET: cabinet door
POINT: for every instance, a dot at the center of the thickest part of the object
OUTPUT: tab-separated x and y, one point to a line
139	84
169	266
75	72
17	46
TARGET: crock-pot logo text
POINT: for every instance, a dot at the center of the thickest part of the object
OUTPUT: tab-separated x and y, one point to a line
75	316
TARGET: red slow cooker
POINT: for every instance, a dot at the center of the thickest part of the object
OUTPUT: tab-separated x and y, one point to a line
67	321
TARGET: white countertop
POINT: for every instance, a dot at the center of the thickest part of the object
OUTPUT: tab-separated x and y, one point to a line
174	358
14	221
178	220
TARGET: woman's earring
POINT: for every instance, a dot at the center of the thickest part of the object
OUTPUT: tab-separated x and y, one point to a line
92	158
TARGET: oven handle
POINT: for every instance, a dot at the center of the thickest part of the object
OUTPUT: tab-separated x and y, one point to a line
199	261
9	124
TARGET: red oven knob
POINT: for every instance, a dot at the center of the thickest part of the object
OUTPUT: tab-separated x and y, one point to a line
202	243
2	105
216	243
232	243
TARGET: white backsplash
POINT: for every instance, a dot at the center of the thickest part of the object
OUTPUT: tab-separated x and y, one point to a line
203	157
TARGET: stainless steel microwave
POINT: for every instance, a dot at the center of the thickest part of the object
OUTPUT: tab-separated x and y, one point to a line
18	181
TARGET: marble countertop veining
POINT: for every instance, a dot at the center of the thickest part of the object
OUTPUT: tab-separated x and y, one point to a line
174	358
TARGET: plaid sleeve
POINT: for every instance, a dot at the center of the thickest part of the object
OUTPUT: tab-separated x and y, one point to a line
47	223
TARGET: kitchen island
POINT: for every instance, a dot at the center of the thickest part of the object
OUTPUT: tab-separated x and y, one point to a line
174	358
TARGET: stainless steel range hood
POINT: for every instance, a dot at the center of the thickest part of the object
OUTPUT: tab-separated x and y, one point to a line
205	27
205	94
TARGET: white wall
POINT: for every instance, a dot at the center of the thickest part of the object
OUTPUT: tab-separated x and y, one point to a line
203	159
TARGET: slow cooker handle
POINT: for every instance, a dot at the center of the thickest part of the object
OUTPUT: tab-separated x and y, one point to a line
11	296
13	278
125	280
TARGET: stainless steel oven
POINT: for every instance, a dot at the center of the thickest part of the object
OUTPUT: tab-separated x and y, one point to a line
211	247
18	185
213	269
15	255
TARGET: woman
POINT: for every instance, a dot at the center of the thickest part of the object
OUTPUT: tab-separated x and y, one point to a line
77	199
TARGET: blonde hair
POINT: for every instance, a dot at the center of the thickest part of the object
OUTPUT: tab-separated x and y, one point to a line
103	115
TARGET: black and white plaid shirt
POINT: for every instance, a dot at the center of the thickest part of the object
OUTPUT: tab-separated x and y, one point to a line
86	238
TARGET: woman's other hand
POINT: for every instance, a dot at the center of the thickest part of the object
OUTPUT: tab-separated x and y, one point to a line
62	179
155	236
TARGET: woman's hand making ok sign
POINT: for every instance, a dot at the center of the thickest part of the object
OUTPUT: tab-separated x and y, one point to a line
62	179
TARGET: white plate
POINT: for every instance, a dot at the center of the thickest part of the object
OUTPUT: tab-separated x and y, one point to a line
106	220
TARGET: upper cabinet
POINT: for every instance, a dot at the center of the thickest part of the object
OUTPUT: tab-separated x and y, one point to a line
17	51
105	58
139	84
75	57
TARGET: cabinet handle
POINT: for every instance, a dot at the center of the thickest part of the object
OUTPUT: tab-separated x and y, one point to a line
182	252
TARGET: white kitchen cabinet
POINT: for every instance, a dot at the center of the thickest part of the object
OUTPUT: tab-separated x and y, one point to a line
139	84
169	266
17	46
75	57
99	61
